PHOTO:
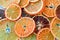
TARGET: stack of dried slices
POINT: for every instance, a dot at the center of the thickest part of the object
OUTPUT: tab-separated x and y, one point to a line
29	19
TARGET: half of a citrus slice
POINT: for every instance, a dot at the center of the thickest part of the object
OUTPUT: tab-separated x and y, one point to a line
55	27
45	34
6	30
13	12
6	3
23	3
41	22
34	8
24	27
34	0
30	37
50	6
57	12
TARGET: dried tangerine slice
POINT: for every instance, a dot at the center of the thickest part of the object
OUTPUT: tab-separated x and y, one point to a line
55	27
34	8
24	27
45	34
31	37
6	30
23	3
57	12
34	0
13	12
50	6
41	22
6	3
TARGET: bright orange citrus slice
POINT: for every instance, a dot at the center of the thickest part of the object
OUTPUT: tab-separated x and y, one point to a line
13	12
23	3
45	34
6	3
55	27
34	0
24	27
6	30
50	6
34	8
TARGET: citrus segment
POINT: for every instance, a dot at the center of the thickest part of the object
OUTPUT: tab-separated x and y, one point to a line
55	27
50	6
34	8
31	37
41	22
45	34
23	3
24	27
34	0
6	3
6	30
13	12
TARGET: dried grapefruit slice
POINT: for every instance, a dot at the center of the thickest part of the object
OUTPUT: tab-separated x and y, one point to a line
57	12
50	6
55	27
24	27
45	34
41	22
34	8
6	30
23	3
13	12
6	3
31	37
34	0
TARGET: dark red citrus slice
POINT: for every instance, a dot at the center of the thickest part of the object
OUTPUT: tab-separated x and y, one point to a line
6	30
6	3
45	34
50	6
13	12
55	27
34	8
31	37
24	27
41	22
23	3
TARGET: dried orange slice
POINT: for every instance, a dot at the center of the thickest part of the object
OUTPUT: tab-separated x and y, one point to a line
34	0
31	37
41	22
50	6
6	30
55	27
45	34
6	3
13	12
23	3
34	8
24	27
57	12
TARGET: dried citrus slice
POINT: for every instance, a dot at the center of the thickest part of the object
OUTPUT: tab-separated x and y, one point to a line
34	0
57	12
6	3
41	22
24	27
55	27
13	12
34	8
31	37
6	30
50	6
23	3
45	34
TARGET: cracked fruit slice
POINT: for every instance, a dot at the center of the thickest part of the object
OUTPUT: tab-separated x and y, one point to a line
24	26
13	12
